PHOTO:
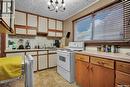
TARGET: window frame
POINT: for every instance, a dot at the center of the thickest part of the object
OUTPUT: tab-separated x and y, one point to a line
93	14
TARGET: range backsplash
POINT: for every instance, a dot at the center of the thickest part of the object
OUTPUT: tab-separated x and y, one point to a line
34	41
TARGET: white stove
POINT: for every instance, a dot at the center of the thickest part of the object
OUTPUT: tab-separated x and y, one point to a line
66	63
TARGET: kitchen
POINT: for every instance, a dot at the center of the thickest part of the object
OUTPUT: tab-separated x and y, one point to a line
65	43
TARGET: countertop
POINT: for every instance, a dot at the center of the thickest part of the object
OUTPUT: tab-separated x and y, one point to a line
27	50
113	56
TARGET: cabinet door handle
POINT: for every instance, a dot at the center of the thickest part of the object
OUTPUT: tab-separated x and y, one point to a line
91	69
99	62
88	67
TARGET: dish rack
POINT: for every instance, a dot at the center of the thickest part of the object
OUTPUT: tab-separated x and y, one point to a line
27	74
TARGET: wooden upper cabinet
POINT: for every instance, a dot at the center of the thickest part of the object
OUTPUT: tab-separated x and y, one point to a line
42	25
59	25
32	20
20	18
52	24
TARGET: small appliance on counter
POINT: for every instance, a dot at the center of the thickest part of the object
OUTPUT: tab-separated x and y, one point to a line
20	42
27	45
57	43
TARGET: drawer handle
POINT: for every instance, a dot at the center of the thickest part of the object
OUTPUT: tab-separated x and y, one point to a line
91	69
87	67
121	66
81	58
99	62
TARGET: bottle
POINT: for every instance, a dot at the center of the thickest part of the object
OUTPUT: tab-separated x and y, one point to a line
112	48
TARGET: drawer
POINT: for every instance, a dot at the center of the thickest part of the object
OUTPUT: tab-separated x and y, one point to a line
50	51
31	53
122	66
82	57
118	85
15	54
122	78
102	62
42	52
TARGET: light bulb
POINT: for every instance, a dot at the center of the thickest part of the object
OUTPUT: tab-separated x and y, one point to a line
63	4
49	3
56	7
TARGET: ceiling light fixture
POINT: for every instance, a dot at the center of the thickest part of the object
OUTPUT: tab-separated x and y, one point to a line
56	5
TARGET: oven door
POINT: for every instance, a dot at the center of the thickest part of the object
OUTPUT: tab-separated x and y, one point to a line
64	60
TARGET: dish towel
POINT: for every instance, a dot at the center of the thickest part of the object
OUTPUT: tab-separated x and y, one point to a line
10	67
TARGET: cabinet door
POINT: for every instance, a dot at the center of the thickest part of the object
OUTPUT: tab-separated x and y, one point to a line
122	78
35	63
42	26
58	34
52	60
52	24
42	62
101	76
59	25
32	20
31	32
16	54
20	31
82	73
20	18
51	34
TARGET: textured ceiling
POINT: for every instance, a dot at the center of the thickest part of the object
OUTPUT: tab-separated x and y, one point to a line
40	7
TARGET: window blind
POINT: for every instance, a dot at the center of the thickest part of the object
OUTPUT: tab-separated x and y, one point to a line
126	5
83	29
108	23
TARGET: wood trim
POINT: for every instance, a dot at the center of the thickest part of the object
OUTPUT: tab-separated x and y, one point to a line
30	27
20	26
3	44
108	42
37	23
3	23
36	14
73	30
117	1
42	34
55	30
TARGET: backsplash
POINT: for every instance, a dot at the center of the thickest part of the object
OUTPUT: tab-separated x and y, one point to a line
34	41
94	48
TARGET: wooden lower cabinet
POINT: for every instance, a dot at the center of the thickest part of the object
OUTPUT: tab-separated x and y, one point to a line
89	74
101	76
82	73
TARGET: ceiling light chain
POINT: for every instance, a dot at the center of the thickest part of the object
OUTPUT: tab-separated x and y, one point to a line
56	6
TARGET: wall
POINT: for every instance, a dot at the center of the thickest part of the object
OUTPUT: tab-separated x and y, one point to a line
34	41
68	26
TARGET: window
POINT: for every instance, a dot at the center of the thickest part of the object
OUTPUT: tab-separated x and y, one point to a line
106	24
83	29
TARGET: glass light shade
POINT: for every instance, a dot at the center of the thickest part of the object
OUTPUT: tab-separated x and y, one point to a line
49	3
